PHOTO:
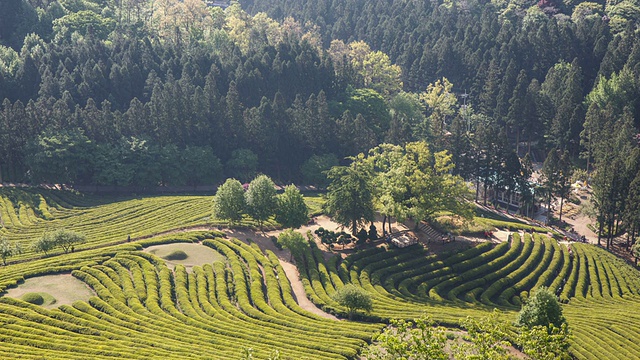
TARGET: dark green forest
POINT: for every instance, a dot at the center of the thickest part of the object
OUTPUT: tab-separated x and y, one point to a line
157	93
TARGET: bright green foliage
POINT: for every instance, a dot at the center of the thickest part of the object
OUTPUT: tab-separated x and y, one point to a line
229	201
61	157
487	339
293	241
441	103
545	343
350	197
67	240
291	210
406	340
541	309
353	298
7	249
81	21
412	181
261	199
44	245
33	298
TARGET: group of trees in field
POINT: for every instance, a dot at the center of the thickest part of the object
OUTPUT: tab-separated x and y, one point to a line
551	78
64	239
261	202
399	182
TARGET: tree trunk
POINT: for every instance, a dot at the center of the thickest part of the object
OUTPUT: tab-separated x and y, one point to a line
600	228
561	203
384	222
548	208
354	228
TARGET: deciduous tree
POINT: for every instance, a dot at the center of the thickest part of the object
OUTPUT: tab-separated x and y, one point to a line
229	201
350	196
354	298
291	210
261	199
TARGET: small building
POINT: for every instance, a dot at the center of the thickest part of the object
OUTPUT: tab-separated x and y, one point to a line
219	3
403	240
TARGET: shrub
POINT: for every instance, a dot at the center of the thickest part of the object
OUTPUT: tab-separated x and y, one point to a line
353	298
33	298
541	309
176	255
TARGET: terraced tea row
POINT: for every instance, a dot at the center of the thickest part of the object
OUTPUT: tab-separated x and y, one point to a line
103	220
144	310
405	283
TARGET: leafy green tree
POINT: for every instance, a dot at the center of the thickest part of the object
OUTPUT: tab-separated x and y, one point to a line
43	244
82	22
350	196
441	103
261	199
292	241
243	164
408	340
61	157
545	343
314	170
432	185
7	249
62	238
488	339
291	210
354	298
541	309
229	201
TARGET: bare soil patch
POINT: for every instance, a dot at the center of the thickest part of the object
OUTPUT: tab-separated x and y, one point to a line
196	254
57	290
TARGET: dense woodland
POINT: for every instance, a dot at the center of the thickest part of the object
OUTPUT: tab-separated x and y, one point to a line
149	93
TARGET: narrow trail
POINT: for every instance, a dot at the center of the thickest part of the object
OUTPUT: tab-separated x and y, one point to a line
298	291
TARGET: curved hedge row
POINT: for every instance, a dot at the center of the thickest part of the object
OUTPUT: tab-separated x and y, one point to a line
406	283
143	310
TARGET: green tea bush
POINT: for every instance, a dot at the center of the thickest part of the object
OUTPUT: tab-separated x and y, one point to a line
176	255
33	298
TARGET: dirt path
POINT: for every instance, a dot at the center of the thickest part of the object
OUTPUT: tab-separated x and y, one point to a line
263	240
579	224
298	291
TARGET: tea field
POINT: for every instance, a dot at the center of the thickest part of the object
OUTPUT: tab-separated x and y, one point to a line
142	308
